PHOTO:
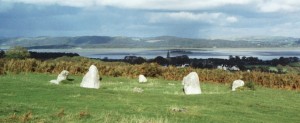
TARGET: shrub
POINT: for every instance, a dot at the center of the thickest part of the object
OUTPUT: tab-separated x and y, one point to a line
2	53
150	70
17	52
1	67
250	85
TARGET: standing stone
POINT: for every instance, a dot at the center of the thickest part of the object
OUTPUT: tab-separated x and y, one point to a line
191	84
91	78
237	83
142	78
62	76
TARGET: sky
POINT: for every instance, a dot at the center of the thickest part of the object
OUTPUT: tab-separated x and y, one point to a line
149	18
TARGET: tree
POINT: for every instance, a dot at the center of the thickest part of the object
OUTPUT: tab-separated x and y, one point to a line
2	53
180	60
160	60
17	52
134	59
139	60
283	61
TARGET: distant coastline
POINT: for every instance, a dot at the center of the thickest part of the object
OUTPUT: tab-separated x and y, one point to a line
224	53
165	42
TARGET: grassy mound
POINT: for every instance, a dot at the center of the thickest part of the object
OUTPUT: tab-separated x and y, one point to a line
29	97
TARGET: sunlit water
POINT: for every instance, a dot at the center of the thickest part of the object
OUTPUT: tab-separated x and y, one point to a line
264	54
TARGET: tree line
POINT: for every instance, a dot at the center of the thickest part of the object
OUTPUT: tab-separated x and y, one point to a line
19	52
184	61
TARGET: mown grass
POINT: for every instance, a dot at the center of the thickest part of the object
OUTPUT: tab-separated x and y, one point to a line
29	97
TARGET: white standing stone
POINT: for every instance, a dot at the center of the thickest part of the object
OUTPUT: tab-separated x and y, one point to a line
191	84
142	78
237	83
62	76
91	78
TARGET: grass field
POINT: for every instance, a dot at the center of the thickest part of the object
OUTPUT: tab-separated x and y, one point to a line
29	97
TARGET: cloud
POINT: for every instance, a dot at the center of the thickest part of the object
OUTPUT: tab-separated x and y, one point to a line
210	18
279	6
139	4
185	18
71	3
231	19
173	5
286	29
4	6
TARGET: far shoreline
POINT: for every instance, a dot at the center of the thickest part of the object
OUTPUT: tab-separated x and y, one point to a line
224	53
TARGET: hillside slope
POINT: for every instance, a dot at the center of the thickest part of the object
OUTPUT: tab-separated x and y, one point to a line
29	97
151	42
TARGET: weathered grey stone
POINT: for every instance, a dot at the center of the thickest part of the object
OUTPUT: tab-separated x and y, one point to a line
236	84
62	76
91	78
191	84
142	79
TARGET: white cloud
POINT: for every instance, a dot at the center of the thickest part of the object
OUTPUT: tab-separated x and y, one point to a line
211	18
140	4
176	5
231	19
4	6
73	3
170	4
226	17
279	6
286	29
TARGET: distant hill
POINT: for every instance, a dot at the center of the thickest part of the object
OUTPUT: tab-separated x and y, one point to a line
150	42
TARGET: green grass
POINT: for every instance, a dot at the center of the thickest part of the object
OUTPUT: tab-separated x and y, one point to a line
161	101
293	68
295	64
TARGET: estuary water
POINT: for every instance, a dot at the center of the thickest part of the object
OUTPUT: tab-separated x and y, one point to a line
115	53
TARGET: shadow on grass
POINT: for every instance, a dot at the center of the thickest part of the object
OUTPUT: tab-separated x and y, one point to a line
68	81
